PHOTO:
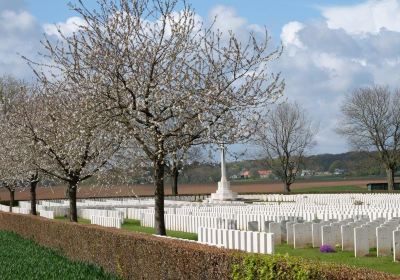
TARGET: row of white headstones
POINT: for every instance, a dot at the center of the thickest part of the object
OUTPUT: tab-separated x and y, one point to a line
369	223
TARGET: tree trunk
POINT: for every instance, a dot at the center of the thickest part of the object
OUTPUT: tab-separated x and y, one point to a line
73	213
159	197
390	178
33	196
12	196
175	176
287	187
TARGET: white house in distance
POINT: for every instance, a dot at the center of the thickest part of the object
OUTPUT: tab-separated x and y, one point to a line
306	173
339	171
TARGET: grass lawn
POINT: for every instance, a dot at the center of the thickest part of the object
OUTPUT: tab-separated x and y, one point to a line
24	259
134	225
332	189
385	264
80	220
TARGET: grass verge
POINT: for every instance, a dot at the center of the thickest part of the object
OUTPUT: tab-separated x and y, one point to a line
331	189
80	220
134	225
384	264
24	259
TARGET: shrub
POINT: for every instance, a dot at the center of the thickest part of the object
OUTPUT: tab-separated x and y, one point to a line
128	254
326	249
143	256
278	267
275	267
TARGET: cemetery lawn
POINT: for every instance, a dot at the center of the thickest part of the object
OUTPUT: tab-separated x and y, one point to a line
134	225
332	189
80	220
385	264
24	259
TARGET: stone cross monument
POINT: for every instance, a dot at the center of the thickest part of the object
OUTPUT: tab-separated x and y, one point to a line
224	191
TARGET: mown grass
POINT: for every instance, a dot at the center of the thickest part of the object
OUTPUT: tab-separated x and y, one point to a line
80	220
24	259
331	189
134	225
385	264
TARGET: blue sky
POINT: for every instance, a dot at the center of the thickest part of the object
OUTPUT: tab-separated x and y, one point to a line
270	13
330	47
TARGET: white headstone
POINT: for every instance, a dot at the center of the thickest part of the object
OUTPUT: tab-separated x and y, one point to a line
316	235
275	228
267	243
396	245
336	232
236	234
243	240
300	232
283	230
347	232
249	241
256	242
231	239
372	234
361	243
328	236
384	240
289	233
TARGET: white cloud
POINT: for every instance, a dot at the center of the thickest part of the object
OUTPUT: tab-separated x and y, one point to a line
334	59
16	21
368	17
67	28
20	35
289	35
226	19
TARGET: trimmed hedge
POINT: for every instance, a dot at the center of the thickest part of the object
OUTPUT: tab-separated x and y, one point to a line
279	267
127	254
142	256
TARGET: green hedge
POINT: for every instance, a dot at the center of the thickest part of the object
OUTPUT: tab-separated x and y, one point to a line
142	256
127	254
278	267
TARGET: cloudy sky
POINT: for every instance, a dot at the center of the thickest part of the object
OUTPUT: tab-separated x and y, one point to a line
330	47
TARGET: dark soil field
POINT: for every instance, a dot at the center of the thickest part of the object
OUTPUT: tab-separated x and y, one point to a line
148	190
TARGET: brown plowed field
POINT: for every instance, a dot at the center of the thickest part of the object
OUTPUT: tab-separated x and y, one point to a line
148	190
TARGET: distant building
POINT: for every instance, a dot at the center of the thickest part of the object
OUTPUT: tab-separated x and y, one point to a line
264	173
245	174
323	173
306	173
339	171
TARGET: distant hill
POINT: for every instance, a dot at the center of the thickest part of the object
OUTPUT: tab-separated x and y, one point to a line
355	164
